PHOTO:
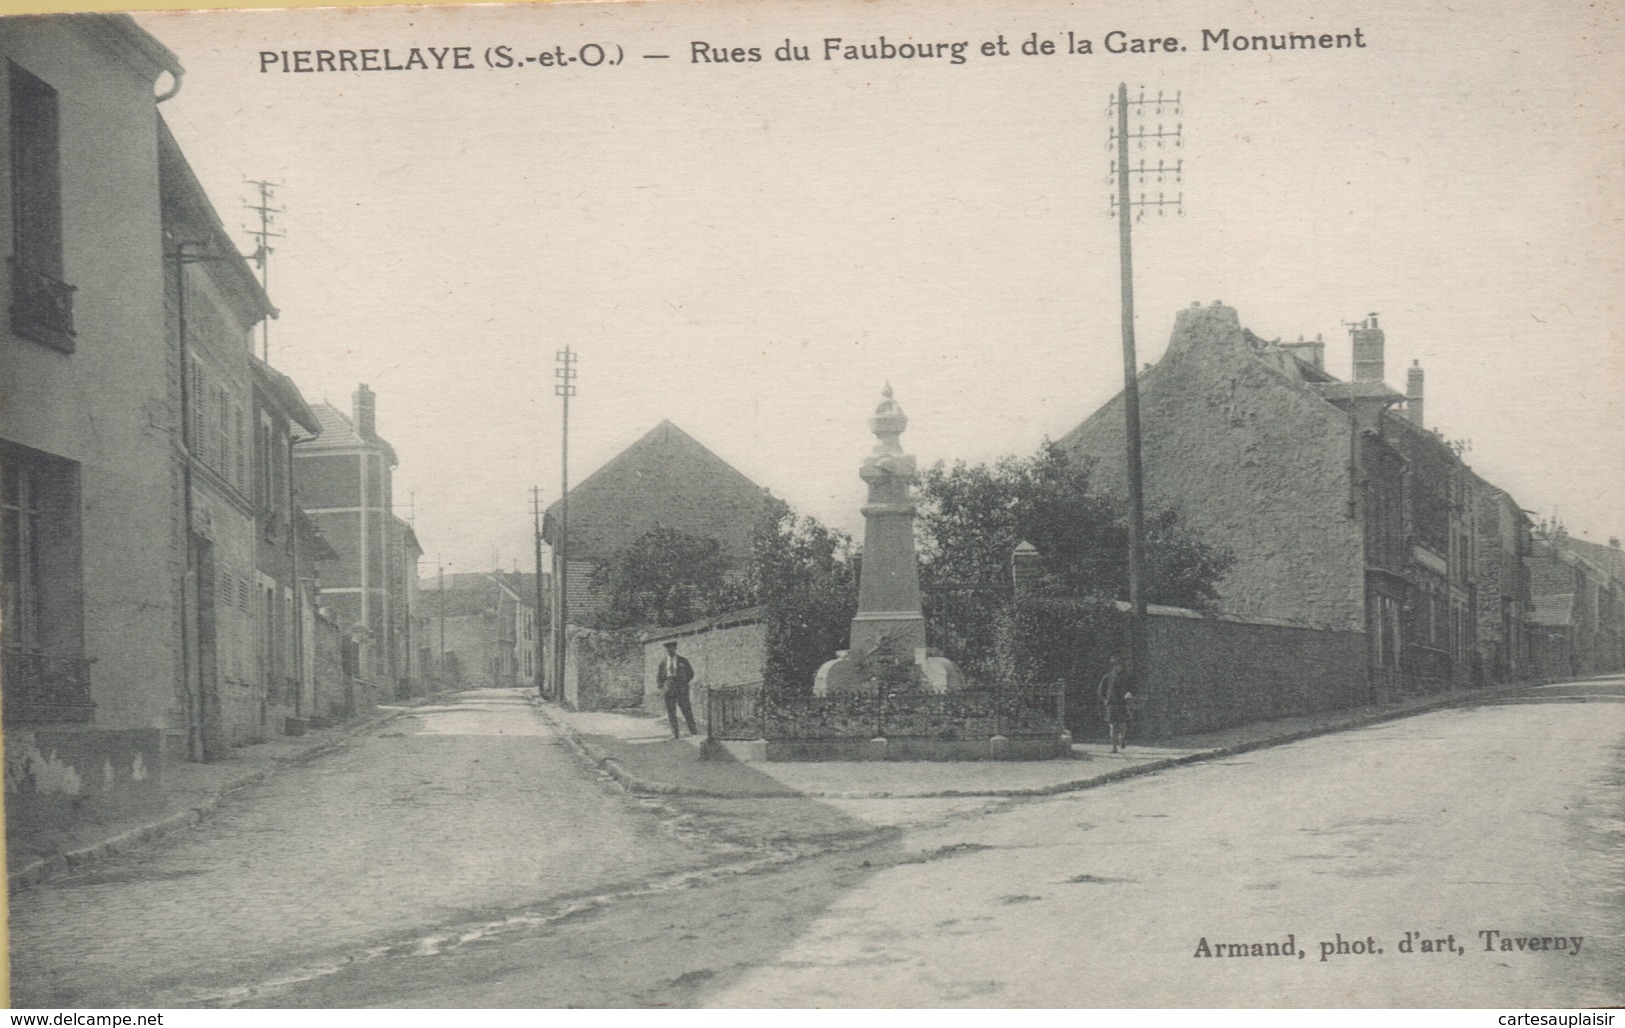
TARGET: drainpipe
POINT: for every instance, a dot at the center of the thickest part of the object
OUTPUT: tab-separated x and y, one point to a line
194	699
298	592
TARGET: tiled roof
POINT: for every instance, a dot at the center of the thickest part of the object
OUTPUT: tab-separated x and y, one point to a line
1609	558
666	478
338	432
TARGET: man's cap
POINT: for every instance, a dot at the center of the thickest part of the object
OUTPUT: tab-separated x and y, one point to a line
671	644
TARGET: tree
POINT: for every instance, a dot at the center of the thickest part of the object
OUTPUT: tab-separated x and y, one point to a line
667	577
802	574
971	517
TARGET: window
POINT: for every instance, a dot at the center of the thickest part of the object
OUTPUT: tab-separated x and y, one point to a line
41	303
46	676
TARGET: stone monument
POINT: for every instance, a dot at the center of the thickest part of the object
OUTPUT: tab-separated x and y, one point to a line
890	625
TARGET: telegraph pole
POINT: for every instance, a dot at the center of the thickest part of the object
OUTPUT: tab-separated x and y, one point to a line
1123	204
263	250
564	388
541	652
442	590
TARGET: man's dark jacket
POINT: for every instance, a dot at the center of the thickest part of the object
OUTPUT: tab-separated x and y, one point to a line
680	680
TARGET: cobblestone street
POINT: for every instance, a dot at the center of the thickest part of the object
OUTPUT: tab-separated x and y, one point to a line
439	821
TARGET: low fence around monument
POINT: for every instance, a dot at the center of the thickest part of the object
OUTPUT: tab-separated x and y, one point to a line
905	719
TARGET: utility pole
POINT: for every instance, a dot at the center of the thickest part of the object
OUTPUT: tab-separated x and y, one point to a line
263	250
541	652
564	388
1123	205
442	590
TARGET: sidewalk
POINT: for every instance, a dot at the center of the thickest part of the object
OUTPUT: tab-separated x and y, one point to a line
638	751
190	792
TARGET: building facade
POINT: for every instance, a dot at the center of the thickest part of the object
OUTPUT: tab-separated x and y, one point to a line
89	491
213	303
485	624
1577	627
344	480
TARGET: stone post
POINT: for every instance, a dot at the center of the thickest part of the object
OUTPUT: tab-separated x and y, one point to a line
1024	570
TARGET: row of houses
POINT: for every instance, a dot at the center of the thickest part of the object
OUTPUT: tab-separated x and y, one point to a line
1346	512
194	557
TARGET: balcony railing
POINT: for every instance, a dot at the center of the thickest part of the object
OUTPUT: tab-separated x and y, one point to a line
41	307
44	688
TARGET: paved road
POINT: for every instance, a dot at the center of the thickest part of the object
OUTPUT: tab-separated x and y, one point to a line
441	824
1506	819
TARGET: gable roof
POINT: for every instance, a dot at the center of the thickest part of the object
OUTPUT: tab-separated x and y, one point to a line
338	432
668	478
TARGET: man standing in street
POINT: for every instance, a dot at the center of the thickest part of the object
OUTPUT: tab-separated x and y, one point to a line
673	679
1115	692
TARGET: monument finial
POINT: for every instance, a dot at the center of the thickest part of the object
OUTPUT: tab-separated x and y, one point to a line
888	423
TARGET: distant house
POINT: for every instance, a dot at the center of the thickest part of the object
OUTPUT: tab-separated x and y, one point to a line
1342	509
485	624
407	630
667	478
344	480
1577	625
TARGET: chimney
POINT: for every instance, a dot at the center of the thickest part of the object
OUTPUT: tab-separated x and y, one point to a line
1413	393
366	412
1368	341
1613	541
1314	353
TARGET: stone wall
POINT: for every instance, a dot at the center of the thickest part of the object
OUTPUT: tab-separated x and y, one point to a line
1209	673
602	670
728	652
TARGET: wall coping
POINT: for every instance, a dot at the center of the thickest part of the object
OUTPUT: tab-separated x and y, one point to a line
1235	619
732	619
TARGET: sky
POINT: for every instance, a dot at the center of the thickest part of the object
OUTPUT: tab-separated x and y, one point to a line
753	250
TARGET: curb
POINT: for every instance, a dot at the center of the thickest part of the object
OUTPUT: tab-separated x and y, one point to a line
43	868
632	783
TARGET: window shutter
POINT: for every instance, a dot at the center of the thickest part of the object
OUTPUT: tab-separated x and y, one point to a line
239	446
